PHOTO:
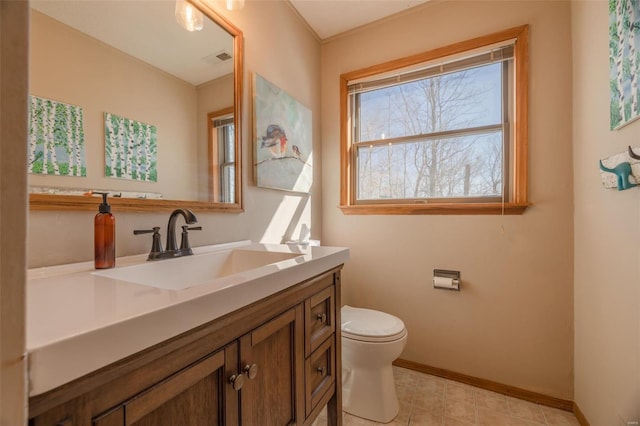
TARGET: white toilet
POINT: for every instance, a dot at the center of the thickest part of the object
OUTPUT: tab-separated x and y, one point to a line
371	340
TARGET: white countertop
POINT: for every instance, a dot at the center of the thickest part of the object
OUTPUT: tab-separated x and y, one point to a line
78	322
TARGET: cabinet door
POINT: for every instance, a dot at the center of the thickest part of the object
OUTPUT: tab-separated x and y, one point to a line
272	357
193	396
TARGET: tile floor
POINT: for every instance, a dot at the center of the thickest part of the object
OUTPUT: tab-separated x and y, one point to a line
427	400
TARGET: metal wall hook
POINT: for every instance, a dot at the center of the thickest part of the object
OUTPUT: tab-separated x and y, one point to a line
633	154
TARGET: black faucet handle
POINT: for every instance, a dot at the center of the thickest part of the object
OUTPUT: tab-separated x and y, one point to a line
156	245
155	230
185	247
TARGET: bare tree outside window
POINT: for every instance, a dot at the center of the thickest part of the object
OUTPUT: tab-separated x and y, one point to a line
444	133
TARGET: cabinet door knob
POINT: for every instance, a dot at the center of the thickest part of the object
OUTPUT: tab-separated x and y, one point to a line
321	371
237	380
251	370
322	318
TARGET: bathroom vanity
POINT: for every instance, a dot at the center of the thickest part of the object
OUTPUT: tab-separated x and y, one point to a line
255	345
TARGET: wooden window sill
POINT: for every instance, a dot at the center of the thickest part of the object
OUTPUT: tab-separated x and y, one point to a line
437	208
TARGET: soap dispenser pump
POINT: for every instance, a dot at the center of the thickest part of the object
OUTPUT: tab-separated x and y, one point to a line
104	238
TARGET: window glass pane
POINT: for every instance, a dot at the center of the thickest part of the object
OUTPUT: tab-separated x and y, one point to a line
453	167
458	100
226	152
229	143
227	183
226	136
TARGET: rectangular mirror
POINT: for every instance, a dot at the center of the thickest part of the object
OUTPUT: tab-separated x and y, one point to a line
124	99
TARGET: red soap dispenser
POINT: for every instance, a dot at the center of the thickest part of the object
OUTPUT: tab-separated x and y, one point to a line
104	238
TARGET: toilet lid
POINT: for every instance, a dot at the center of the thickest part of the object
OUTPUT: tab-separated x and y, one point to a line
371	326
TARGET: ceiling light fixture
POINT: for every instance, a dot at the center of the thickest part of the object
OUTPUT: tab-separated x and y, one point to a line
235	4
188	16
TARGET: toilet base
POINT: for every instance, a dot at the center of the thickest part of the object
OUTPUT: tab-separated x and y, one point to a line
370	393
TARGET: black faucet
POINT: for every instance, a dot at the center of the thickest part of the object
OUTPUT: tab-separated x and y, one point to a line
172	250
189	218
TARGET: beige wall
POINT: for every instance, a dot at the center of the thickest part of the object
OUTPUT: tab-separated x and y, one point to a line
101	79
279	47
513	320
14	18
607	225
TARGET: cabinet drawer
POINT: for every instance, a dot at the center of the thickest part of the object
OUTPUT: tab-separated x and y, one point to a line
320	373
320	318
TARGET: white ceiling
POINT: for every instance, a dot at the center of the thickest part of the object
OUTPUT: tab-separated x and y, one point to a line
331	17
148	31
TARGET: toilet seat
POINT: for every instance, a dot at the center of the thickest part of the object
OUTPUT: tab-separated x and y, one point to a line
368	325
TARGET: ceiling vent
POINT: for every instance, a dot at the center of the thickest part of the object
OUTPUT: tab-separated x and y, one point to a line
217	58
223	56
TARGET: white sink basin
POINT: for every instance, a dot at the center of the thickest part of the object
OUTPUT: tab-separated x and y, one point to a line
189	271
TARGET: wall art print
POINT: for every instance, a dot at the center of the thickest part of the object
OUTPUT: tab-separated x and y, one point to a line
282	129
624	61
56	138
131	149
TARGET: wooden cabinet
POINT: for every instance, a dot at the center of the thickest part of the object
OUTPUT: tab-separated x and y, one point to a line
269	395
273	363
191	396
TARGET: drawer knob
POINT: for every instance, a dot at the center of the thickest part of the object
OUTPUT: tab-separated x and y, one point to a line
322	318
322	371
237	380
251	370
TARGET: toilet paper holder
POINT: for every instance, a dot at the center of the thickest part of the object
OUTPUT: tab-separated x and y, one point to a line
445	279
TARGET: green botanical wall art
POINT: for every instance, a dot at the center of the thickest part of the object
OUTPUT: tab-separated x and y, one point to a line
624	61
131	149
56	138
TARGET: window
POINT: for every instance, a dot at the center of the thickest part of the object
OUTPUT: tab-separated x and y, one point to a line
440	132
222	161
226	150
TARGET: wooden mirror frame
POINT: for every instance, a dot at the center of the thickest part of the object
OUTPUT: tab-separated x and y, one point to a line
79	202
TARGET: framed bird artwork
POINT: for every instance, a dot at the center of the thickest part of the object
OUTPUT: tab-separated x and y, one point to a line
282	133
